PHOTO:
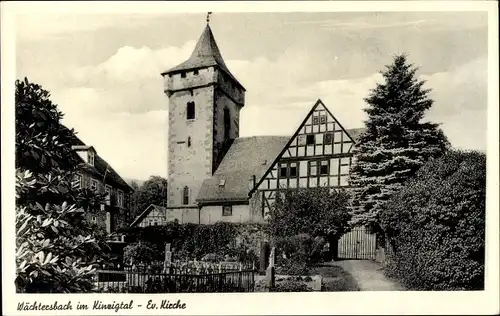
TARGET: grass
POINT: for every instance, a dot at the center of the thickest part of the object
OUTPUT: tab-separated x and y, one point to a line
335	279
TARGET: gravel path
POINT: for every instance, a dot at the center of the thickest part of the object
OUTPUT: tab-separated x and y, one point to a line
369	275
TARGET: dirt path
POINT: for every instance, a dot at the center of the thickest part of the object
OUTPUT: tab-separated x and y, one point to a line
369	275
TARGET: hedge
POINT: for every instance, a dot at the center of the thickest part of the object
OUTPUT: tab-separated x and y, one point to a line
193	241
436	225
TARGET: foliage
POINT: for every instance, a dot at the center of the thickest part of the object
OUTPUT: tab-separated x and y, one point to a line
395	143
288	266
142	252
56	250
436	225
299	249
152	191
291	285
193	241
318	212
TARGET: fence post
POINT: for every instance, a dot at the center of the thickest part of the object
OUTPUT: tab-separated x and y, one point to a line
270	277
264	257
168	259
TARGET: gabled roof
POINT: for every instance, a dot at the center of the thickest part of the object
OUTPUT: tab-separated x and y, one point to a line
355	132
100	166
247	156
146	212
205	54
82	147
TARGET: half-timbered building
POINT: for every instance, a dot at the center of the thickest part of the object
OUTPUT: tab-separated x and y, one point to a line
215	175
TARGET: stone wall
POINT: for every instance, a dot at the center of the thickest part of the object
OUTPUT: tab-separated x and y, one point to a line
189	165
196	146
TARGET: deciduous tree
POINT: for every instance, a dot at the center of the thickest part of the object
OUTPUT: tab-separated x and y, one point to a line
56	250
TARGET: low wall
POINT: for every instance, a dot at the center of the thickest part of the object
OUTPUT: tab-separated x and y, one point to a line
183	214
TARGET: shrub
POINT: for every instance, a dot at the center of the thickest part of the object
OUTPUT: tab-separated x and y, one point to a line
313	211
291	285
436	225
300	248
142	252
57	250
292	267
193	241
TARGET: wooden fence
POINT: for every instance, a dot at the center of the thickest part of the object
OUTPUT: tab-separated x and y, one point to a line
357	244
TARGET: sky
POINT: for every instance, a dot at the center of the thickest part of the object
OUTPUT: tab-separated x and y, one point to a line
103	71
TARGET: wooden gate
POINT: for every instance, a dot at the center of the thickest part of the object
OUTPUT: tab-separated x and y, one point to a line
357	244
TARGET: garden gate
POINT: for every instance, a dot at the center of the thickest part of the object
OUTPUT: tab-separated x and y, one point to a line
357	244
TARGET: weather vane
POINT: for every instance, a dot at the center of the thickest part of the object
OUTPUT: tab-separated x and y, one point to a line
208	17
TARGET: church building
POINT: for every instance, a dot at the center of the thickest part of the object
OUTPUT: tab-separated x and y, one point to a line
215	175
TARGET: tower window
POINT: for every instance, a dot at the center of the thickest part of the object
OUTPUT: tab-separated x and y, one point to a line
190	110
227	123
189	141
185	196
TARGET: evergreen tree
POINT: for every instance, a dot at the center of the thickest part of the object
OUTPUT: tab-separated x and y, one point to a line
395	144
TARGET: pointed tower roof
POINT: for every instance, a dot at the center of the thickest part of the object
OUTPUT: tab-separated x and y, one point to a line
205	54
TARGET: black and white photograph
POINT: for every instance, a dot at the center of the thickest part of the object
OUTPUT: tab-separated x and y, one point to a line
160	157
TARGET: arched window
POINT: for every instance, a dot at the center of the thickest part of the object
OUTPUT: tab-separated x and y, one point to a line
227	123
190	110
185	196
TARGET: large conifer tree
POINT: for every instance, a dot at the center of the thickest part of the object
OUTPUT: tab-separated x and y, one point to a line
395	144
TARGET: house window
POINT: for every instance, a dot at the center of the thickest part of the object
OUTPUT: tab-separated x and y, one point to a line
190	110
310	139
283	171
107	188
183	75
328	138
313	165
155	222
322	119
301	139
323	168
315	119
185	196
94	184
227	210
293	170
120	198
91	157
195	72
94	219
77	181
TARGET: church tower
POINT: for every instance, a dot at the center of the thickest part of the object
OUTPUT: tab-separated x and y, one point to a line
205	100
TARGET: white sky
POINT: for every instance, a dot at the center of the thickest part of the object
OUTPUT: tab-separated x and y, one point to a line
104	71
